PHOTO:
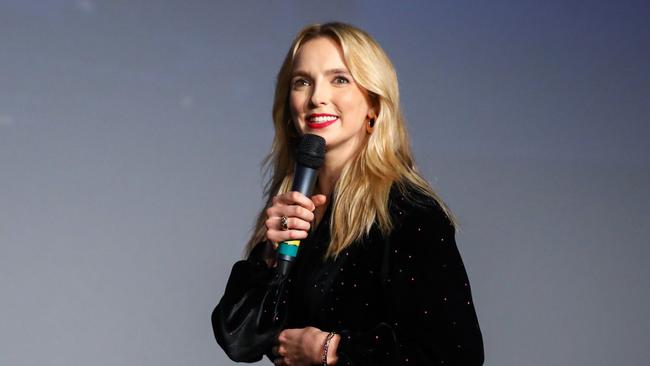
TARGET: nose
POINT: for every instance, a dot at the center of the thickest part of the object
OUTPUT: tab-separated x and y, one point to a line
319	94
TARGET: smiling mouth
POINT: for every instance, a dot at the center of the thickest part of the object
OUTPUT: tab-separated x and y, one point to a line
321	121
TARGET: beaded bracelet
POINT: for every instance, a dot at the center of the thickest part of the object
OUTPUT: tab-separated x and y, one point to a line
326	347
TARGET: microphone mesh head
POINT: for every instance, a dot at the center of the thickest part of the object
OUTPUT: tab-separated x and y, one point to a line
311	151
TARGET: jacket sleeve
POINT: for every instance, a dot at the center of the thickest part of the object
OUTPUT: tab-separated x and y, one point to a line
250	314
429	316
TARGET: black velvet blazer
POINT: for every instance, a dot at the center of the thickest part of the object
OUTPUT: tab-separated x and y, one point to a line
399	300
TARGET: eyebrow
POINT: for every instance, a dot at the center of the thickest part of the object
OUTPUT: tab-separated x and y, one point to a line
327	72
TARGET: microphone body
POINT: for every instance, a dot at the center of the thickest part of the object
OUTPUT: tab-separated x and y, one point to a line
309	159
304	179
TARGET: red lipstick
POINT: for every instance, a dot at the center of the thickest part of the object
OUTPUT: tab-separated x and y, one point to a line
326	120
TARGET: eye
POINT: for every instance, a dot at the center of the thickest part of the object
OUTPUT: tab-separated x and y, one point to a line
300	82
341	80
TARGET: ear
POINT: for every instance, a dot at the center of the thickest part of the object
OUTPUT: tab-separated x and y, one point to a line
372	114
373	103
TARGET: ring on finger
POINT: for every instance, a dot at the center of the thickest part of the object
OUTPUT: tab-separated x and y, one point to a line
284	223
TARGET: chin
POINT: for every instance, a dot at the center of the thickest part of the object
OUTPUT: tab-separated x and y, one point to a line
314	132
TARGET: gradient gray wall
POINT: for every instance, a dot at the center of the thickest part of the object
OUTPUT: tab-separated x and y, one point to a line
131	134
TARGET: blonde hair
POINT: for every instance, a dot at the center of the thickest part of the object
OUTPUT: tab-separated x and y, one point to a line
360	197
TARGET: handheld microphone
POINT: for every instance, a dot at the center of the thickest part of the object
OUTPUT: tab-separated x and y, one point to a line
309	158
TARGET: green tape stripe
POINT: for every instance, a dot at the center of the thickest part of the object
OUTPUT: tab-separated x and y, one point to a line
289	248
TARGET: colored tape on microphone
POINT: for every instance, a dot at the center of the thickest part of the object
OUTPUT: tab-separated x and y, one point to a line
289	248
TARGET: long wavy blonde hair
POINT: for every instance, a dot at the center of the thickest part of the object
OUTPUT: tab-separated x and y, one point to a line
360	196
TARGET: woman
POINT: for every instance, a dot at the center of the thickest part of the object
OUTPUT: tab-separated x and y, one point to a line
378	279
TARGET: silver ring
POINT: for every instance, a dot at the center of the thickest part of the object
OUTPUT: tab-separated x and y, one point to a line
284	223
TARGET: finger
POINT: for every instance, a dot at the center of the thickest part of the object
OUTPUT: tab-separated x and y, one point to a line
282	351
282	337
270	222
294	223
319	199
297	211
282	235
277	209
279	351
274	213
296	198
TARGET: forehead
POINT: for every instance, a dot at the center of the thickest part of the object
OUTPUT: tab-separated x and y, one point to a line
319	53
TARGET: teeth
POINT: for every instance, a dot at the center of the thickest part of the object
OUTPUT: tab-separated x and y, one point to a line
322	119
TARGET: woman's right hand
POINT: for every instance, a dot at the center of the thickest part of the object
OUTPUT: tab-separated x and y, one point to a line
299	211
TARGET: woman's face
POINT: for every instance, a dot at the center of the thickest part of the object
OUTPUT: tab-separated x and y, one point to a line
325	100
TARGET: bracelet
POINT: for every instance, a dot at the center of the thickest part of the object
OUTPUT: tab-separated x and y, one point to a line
326	347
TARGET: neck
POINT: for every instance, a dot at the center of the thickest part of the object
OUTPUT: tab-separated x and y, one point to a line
335	160
327	178
331	171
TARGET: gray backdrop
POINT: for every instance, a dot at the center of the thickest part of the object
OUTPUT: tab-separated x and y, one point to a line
131	134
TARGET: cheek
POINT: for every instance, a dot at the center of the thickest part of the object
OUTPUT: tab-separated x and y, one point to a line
295	103
355	104
295	110
356	113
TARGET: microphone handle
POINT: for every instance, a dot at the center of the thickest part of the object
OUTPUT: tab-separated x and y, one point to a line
303	182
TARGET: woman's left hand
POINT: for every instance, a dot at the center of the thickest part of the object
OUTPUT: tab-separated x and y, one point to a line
298	347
